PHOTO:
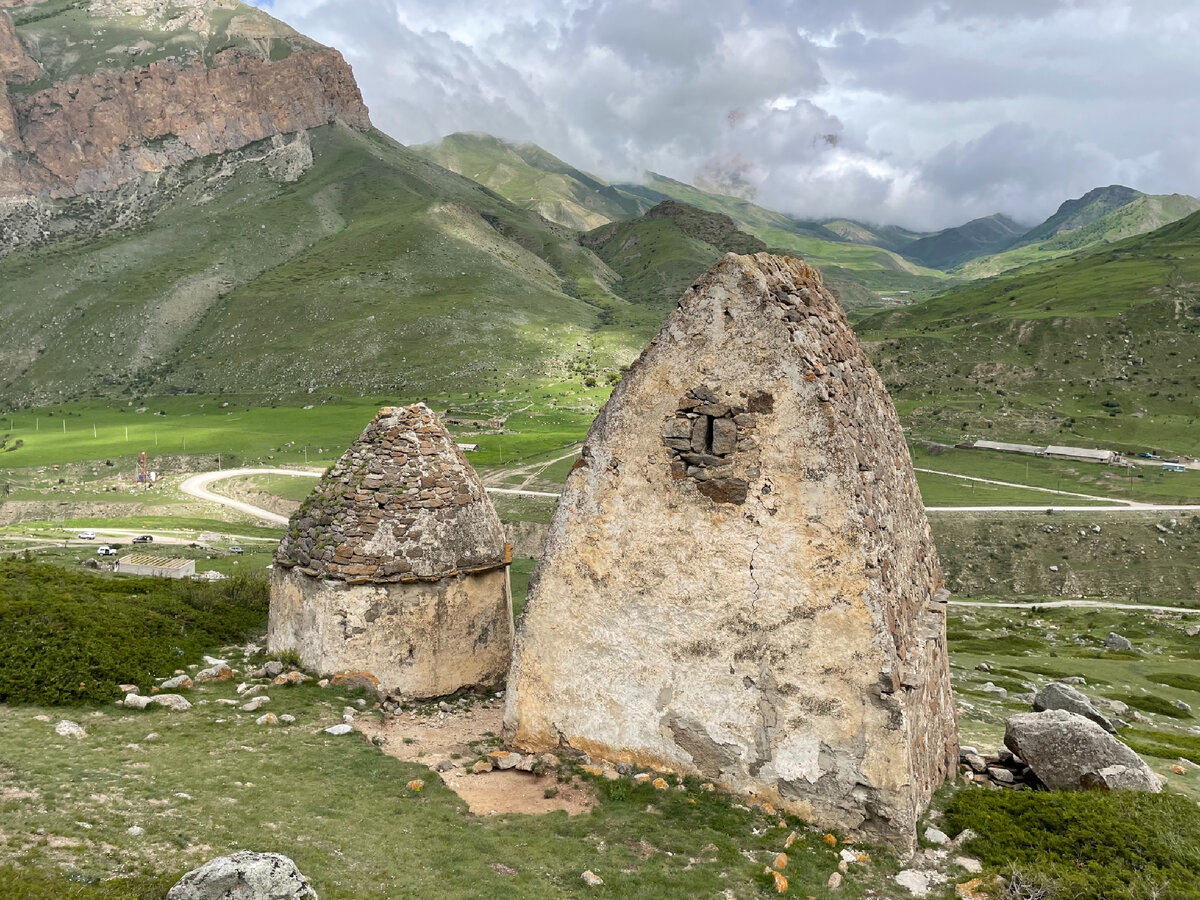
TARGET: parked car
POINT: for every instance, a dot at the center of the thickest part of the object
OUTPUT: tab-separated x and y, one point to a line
86	535
144	539
237	550
105	550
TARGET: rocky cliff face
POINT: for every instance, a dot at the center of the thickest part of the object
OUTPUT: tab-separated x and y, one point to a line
97	130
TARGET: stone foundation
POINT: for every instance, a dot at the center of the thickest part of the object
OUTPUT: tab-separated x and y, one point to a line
415	640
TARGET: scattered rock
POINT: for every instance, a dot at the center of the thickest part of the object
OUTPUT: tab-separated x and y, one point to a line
179	682
339	729
1057	695
1070	752
502	759
273	668
254	704
481	767
268	719
136	701
244	875
1179	704
220	672
591	879
835	881
917	883
968	864
67	728
936	836
135	831
446	765
287	719
1114	641
172	701
989	688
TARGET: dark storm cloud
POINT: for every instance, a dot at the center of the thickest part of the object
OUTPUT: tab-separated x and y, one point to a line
923	113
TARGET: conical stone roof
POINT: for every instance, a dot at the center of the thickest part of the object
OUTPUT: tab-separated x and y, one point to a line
402	504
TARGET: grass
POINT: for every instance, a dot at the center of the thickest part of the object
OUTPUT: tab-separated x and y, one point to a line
238	789
1150	704
1118	846
71	638
1035	356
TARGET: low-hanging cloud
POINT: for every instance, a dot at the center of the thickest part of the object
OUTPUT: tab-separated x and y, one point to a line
919	112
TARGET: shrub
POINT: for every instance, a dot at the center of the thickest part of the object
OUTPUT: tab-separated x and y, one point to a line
71	637
1120	846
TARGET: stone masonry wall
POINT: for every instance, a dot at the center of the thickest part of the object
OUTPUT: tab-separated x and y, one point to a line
739	580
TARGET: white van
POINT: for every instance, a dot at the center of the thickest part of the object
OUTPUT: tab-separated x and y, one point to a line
86	535
105	550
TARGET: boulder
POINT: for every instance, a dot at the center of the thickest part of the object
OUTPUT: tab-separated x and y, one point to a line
179	682
67	728
1062	696
1069	752
244	875
1114	641
172	701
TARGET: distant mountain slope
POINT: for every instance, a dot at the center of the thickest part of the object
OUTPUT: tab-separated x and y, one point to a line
534	179
871	267
1145	213
954	246
366	270
209	77
660	254
1102	347
889	237
1095	204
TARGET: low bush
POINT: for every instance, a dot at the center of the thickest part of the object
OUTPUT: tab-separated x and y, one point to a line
1118	846
1151	704
1164	744
1184	681
71	638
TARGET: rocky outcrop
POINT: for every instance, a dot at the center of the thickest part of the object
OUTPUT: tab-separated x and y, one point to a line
739	581
97	131
394	571
1069	753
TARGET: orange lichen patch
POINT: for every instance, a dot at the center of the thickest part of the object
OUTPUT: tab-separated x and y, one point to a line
641	778
659	784
781	883
791	839
415	785
781	861
830	840
1179	770
289	678
592	770
224	673
362	680
768	809
708	786
971	890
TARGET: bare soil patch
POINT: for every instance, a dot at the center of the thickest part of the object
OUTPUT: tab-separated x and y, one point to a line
462	737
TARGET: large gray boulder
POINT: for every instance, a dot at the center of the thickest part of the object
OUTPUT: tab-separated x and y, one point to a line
244	875
1069	753
1063	696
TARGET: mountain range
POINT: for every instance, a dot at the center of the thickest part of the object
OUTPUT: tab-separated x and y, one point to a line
243	223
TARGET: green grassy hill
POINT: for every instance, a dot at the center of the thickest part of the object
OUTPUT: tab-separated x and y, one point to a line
889	237
879	271
376	272
1145	212
659	254
954	246
534	179
1098	348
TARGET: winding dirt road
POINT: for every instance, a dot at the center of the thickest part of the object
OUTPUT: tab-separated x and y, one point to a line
197	486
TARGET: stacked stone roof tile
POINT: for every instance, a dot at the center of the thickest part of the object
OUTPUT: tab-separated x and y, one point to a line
402	504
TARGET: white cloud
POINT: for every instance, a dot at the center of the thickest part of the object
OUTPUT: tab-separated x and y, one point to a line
920	112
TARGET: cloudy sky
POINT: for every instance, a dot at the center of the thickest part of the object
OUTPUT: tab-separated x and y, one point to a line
923	113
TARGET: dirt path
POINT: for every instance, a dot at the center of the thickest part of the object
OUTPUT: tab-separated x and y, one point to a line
1079	604
454	741
197	486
